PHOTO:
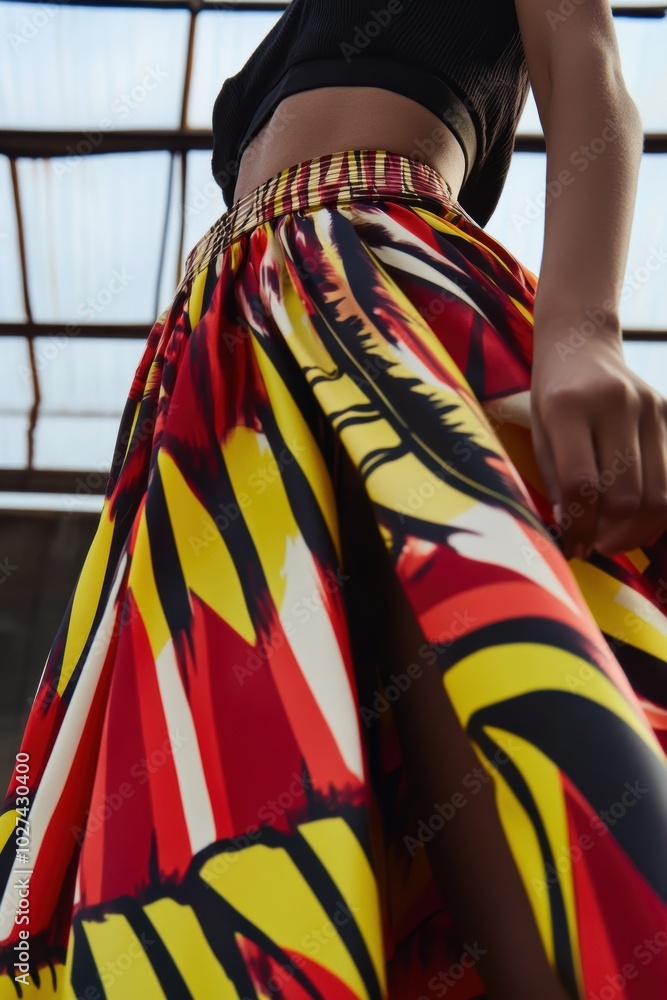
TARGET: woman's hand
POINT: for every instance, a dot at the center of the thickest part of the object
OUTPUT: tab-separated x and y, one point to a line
600	437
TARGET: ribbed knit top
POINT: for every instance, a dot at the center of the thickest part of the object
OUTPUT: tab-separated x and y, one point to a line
461	59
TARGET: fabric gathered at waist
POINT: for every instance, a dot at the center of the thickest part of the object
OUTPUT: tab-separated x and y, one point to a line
336	178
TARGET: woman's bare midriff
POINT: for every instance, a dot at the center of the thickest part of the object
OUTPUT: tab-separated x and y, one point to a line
332	119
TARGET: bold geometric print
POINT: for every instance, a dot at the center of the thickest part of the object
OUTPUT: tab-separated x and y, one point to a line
214	810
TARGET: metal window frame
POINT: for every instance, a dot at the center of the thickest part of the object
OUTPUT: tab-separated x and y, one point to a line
44	144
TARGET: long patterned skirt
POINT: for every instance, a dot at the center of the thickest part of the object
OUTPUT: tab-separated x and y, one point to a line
209	800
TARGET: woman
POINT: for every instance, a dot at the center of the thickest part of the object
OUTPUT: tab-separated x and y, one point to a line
330	715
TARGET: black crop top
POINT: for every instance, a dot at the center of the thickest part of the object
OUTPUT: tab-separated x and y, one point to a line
461	59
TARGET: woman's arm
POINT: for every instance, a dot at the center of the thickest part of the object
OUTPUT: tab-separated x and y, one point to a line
599	431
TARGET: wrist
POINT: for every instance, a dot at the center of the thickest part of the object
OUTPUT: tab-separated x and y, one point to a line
562	334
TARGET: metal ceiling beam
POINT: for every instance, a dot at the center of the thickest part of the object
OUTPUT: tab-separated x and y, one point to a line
36	391
101	331
619	10
654	142
194	6
182	156
140	331
81	482
93	142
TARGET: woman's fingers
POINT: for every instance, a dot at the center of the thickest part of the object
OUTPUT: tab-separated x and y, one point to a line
545	461
600	434
649	521
620	485
574	467
604	462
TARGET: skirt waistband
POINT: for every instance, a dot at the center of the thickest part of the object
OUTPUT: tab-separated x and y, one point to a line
351	175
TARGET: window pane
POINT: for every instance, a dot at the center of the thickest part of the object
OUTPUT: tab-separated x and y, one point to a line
223	42
13	441
203	198
85	375
67	67
16	387
76	443
649	361
93	230
519	224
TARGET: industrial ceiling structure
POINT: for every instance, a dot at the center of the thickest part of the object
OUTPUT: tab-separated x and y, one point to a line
105	185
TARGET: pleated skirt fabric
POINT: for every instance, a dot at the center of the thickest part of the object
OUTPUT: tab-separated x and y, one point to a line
209	799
